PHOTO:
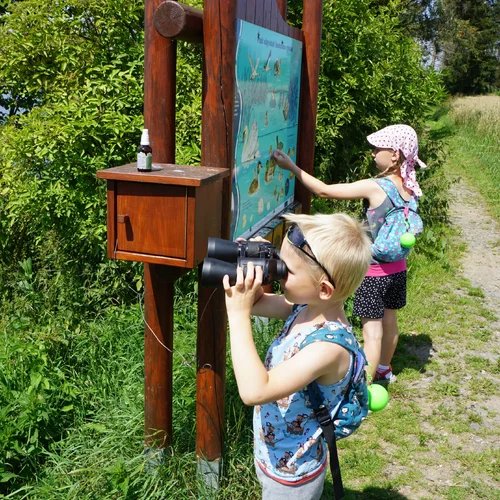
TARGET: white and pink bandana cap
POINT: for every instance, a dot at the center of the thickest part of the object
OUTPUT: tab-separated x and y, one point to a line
401	138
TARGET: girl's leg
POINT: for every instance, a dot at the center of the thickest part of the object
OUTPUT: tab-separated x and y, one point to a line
390	336
372	342
394	299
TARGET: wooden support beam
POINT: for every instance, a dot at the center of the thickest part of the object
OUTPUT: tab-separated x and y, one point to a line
158	344
160	58
312	19
159	117
176	20
217	151
282	7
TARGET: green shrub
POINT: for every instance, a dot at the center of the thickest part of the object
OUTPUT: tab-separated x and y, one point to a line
371	76
56	377
85	86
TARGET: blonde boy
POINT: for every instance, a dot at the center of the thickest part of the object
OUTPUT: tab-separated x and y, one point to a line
327	257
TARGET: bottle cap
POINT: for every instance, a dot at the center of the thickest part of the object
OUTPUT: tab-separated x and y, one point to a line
145	137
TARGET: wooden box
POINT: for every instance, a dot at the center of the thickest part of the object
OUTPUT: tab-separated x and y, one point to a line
165	216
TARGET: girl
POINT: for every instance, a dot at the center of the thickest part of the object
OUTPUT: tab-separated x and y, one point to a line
383	290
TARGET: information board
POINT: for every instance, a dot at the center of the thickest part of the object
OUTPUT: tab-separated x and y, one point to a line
266	110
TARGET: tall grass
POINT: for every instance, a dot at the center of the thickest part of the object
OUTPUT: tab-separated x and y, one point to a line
479	113
476	144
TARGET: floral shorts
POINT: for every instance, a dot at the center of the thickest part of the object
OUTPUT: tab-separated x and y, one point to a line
377	293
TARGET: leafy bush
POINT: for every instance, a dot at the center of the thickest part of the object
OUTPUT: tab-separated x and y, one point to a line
56	377
372	76
79	65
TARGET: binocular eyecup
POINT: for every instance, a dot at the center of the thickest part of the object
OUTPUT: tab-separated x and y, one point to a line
224	257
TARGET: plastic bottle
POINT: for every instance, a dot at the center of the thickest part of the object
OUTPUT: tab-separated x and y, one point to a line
145	154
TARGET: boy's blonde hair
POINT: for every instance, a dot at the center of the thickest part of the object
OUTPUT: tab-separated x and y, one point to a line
342	246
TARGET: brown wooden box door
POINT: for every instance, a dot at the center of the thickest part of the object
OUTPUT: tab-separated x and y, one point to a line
152	219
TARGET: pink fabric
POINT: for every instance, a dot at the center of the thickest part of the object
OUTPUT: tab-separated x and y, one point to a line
387	268
401	138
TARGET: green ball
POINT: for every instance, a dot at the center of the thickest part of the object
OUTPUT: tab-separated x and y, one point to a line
378	397
407	240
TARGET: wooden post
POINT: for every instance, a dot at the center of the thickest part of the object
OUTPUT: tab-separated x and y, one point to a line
158	336
217	150
159	118
311	26
282	7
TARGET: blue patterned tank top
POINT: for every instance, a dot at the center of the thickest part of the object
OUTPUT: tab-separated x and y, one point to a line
288	444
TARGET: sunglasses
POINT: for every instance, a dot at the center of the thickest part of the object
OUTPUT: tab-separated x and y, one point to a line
296	238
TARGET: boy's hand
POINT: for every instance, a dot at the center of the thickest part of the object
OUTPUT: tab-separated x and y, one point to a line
241	297
283	160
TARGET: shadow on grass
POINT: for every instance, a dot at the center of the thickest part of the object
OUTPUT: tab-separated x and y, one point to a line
443	126
375	494
369	493
442	132
413	351
438	113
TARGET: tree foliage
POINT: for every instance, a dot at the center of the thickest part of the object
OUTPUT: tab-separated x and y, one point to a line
371	76
471	43
72	86
462	38
72	81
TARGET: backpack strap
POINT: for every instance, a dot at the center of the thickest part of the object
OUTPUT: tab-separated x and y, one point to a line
337	333
393	194
334	332
346	339
328	427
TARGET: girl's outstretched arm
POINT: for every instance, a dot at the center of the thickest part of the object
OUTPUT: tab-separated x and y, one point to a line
348	191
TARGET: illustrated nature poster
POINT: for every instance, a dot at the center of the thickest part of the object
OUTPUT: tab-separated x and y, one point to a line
266	111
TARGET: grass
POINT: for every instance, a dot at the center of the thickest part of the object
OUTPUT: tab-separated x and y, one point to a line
472	130
435	440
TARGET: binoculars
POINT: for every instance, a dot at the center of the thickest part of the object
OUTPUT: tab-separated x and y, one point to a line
224	257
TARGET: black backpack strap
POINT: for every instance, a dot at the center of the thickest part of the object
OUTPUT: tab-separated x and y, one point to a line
323	415
316	399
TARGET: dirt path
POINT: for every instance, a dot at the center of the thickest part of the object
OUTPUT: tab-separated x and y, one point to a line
481	263
481	266
458	392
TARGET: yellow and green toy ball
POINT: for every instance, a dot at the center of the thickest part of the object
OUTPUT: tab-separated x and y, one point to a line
407	240
378	397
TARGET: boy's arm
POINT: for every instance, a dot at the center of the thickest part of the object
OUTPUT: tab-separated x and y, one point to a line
255	384
240	299
348	191
271	305
258	386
